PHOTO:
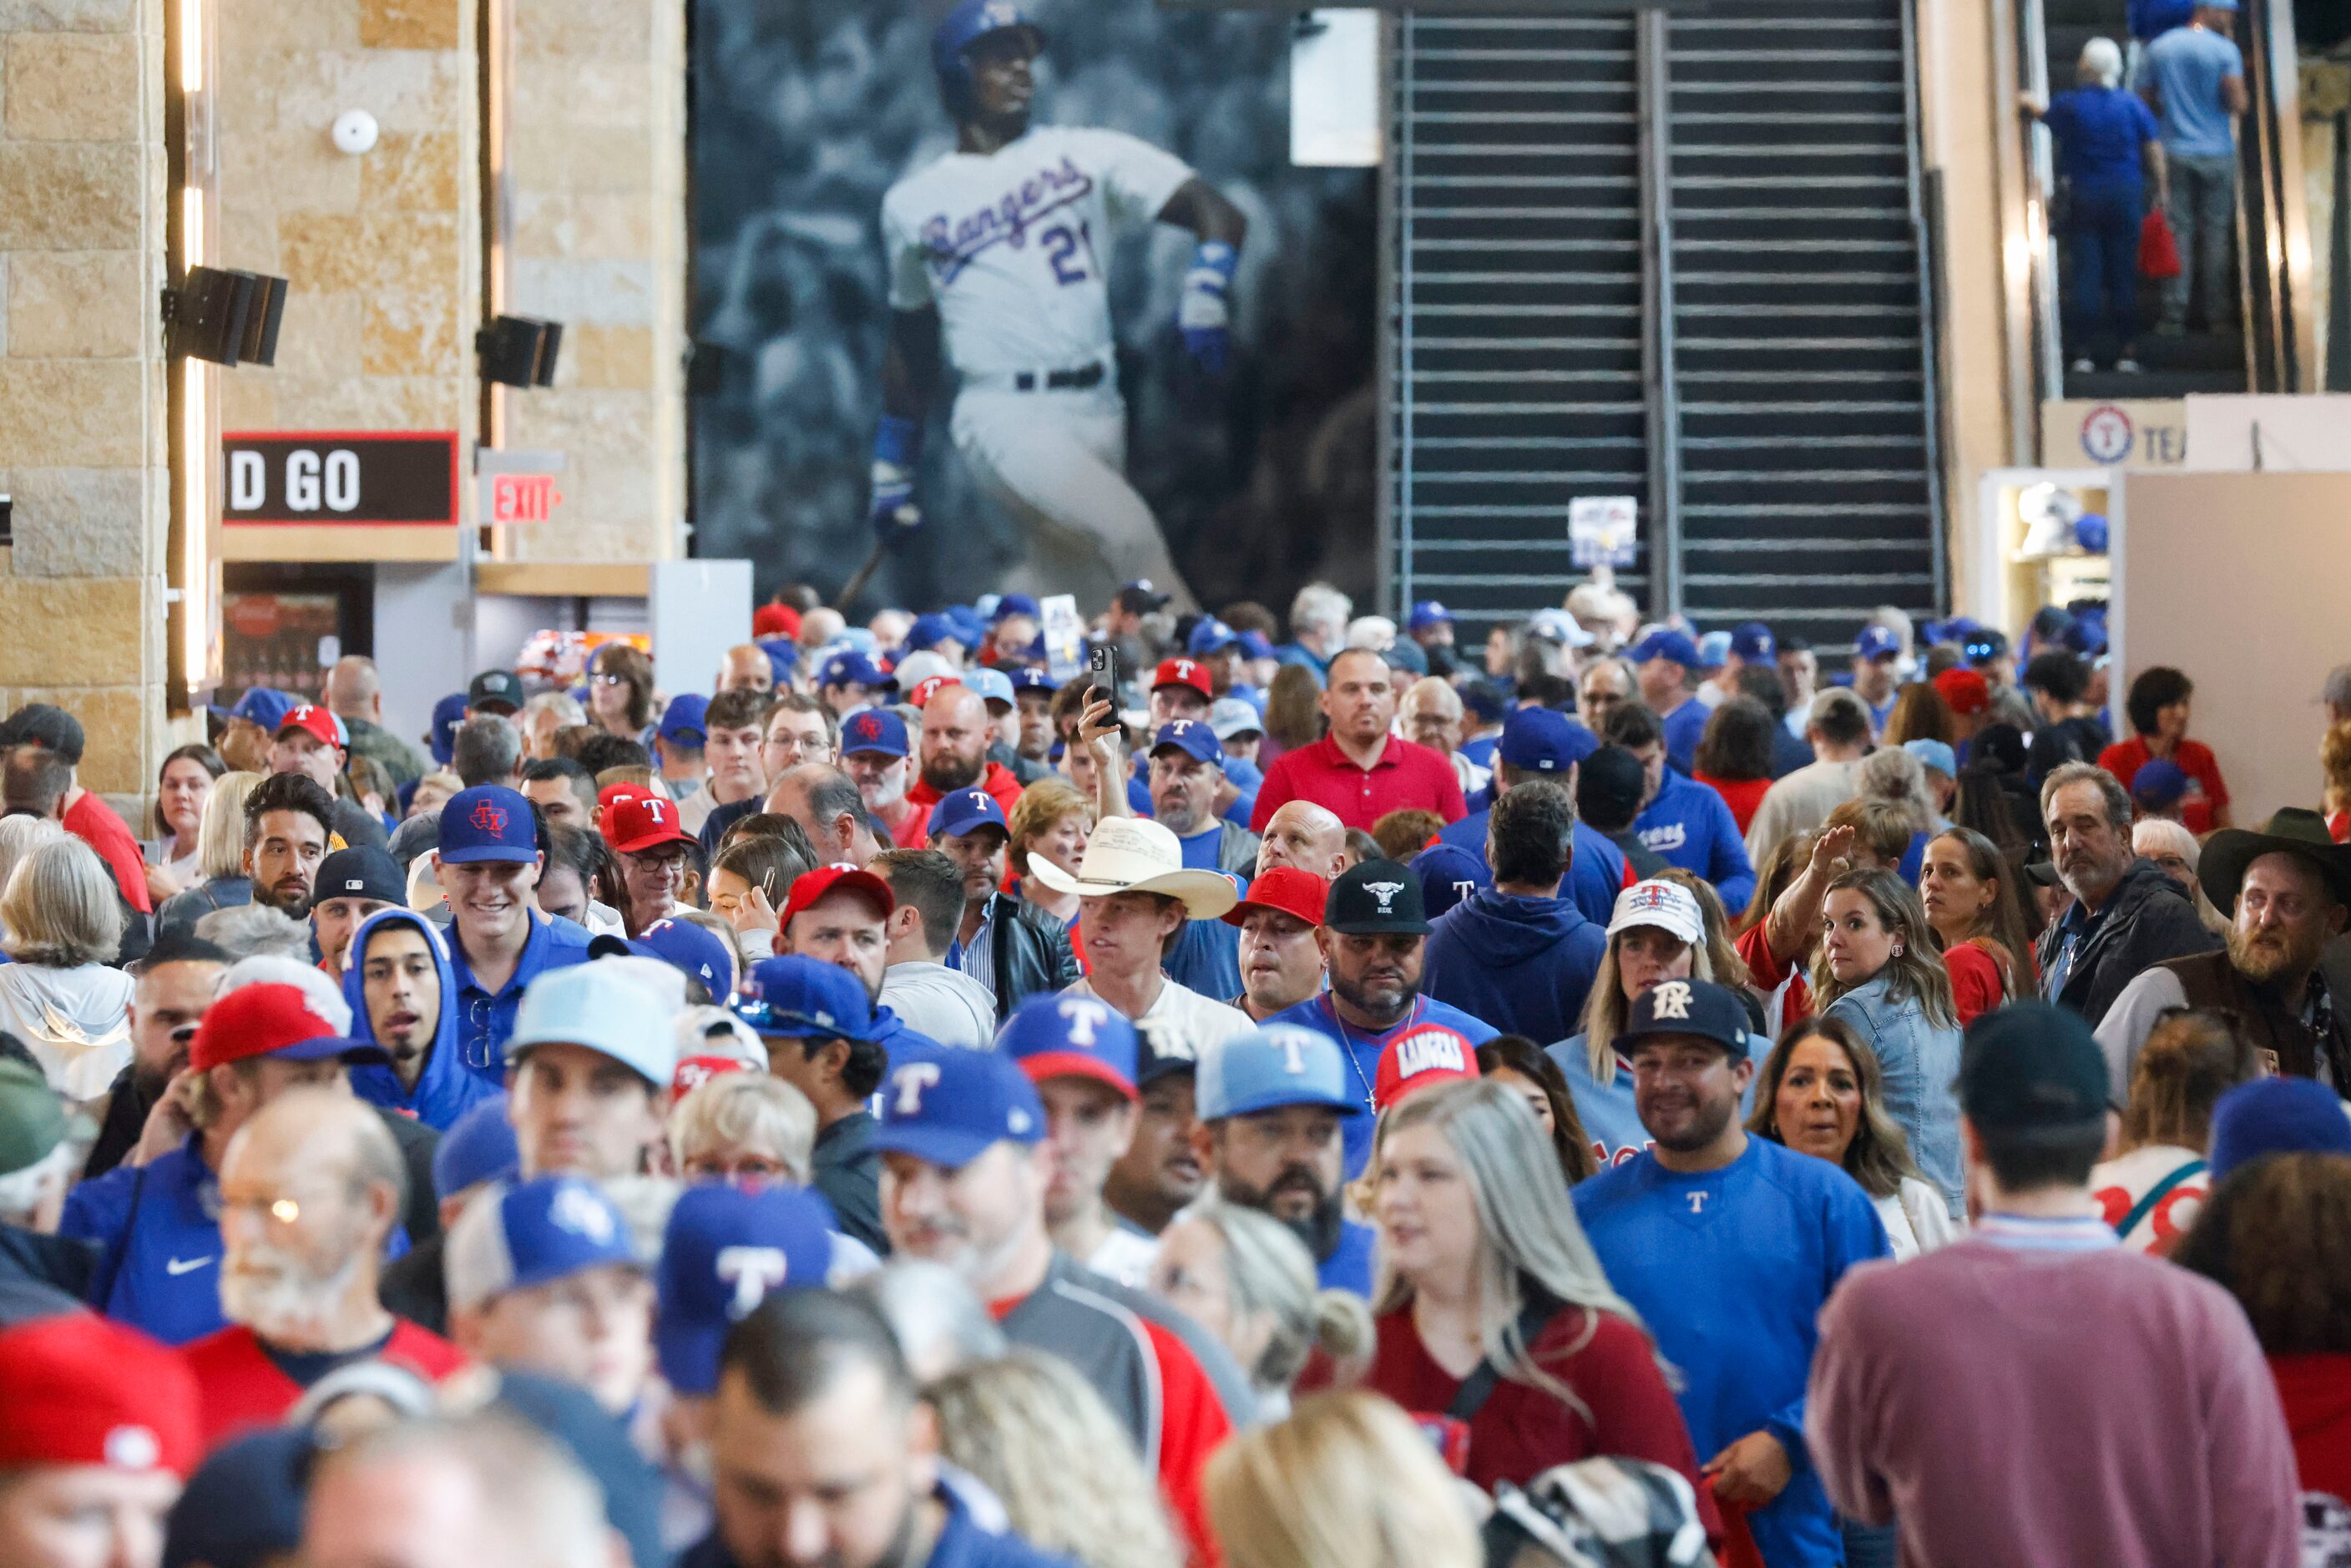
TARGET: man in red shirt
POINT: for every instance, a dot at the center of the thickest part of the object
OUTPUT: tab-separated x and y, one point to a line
956	731
85	816
311	1187
1360	770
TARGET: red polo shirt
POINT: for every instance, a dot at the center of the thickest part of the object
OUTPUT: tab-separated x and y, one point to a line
1408	777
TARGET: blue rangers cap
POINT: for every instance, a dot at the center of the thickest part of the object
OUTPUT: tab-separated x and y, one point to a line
1876	642
799	997
875	729
855	669
728	1249
686	946
479	1146
929	632
1427	612
1194	737
947	1107
1209	635
1665	643
532	1233
686	722
487	823
1544	741
1271	1067
1753	642
448	714
1013	604
1062	1035
965	812
1034	678
267	707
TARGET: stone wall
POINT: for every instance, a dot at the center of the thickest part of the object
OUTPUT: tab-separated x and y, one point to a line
598	186
83	445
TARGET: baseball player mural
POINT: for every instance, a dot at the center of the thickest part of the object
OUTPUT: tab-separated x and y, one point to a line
997	256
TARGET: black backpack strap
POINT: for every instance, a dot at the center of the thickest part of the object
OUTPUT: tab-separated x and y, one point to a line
1478	1387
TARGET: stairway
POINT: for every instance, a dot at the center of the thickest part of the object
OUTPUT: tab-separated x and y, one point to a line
1809	490
1516	308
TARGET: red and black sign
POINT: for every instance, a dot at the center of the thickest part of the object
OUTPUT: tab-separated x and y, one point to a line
314	477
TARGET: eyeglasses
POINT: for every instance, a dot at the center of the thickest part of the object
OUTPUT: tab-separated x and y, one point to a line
606	677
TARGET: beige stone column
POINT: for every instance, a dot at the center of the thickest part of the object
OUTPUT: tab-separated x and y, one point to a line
84	448
597	199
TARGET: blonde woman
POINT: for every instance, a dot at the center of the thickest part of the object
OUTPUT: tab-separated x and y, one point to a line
1051	819
1032	1431
1878	968
64	922
220	856
1247	1279
1348	1481
752	1129
1659	931
1481	1267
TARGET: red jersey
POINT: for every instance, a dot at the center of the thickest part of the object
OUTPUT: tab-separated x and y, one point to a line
1741	795
914	833
2206	793
1975	986
1407	777
93	822
241	1387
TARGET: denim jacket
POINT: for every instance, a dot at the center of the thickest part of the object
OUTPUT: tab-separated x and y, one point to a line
1920	1061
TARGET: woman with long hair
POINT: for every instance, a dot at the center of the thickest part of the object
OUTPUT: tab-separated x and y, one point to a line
1878	970
1247	1279
1721	954
221	882
2153	1187
1734	756
1347	1481
1053	820
182	785
1973	903
1919	713
1518	1063
1293	713
1481	1265
1821	1093
620	693
1657	933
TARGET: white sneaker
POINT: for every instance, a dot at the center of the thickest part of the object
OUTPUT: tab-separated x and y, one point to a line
2082	367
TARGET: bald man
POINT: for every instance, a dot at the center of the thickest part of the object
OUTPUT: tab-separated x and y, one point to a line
747	668
820	626
956	732
309	1191
1303	834
355	695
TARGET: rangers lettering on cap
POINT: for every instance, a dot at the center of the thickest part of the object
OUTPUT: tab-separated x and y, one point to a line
1428	1049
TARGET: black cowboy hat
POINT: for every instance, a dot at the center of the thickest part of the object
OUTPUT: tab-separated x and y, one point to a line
2296	831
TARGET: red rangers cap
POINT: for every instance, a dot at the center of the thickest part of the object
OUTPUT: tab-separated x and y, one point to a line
1964	692
317	723
811	886
1293	892
1184	673
694	1072
928	687
271	1019
79	1390
1421	1058
639	822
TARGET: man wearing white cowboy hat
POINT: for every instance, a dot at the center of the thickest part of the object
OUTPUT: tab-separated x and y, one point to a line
1134	897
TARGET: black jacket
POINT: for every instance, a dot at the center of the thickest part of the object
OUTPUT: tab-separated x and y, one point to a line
1031	952
2147	920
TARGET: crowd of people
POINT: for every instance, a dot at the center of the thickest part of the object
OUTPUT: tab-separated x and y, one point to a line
1292	1091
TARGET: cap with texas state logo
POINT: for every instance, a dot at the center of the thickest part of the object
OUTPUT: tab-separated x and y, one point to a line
875	730
487	823
1422	1058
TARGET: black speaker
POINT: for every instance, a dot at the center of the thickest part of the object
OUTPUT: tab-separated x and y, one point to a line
519	350
225	317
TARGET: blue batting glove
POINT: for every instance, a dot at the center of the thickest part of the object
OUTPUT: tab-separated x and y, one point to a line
1205	314
897	447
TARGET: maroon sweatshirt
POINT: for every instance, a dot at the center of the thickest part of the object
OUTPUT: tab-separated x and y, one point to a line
2036	1393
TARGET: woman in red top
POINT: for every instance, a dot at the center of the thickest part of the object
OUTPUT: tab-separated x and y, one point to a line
1481	1263
1978	914
1734	756
2157	709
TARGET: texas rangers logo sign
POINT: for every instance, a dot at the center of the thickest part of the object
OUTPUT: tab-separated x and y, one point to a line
489	817
1385	892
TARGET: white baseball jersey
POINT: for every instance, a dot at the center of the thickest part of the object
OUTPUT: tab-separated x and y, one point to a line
1011	246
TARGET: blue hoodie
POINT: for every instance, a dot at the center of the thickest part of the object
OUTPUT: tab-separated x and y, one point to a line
1524	965
445	1091
1690	827
1684	728
1458	857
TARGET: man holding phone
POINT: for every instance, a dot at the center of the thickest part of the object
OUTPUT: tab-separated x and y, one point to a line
177	981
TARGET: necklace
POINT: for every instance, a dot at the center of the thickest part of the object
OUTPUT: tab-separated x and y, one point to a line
1347	1039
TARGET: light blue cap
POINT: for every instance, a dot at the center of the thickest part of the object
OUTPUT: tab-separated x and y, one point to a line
1267	1068
1934	754
604	1009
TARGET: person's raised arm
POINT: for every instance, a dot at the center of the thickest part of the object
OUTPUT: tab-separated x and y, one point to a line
1099	732
1796	917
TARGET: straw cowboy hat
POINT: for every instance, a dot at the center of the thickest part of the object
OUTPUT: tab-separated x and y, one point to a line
1135	854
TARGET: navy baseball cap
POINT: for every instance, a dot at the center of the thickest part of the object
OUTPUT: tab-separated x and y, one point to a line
1034	678
1427	612
1485	699
725	1250
948	1107
493	691
1065	1035
1876	642
447	715
930	631
479	1146
1698	1010
688	946
487	823
1752	641
244	1503
804	998
855	669
1013	604
1984	644
965	812
685	722
1666	643
875	729
2033	1071
1271	1067
1544	741
1193	737
366	872
532	1233
1209	635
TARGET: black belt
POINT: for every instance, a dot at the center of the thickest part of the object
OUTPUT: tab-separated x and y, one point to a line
1060	381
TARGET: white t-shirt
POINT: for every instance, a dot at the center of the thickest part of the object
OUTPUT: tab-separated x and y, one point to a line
1127	1257
1917	1220
1012	247
1182	1023
2119	1184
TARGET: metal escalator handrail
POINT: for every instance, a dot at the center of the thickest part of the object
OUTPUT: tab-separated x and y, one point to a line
2041	187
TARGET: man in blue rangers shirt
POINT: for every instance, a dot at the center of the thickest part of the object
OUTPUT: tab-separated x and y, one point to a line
1682	821
1665	662
815	1405
487	866
1271	1106
1729	1246
1375	938
1536	743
